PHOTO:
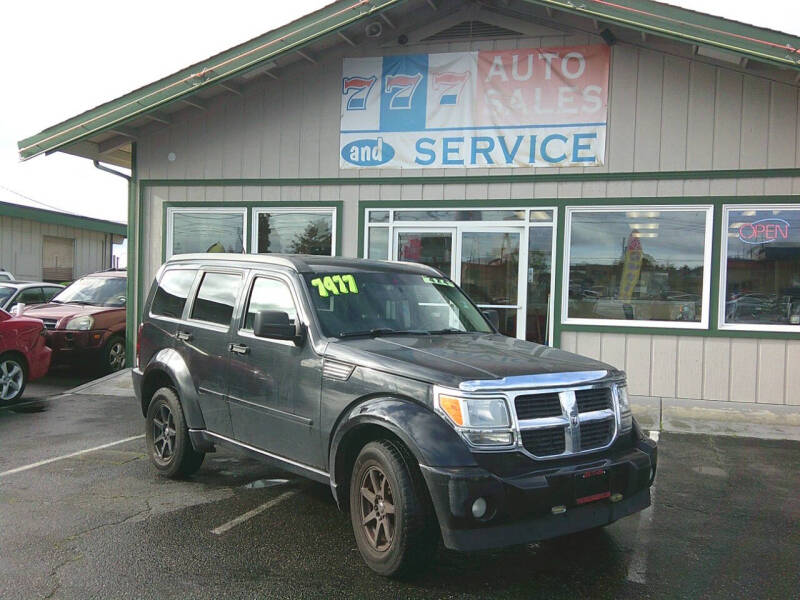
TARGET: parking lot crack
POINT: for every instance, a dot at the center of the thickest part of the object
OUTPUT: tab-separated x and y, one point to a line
134	516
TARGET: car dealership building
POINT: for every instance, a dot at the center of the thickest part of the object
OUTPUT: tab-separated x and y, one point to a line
615	179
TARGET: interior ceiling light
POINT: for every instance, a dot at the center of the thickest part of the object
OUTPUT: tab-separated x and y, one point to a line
643	214
643	225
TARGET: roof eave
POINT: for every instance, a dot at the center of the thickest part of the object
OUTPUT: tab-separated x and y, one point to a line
664	20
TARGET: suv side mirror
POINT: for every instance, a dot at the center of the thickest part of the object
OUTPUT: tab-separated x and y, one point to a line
274	324
493	316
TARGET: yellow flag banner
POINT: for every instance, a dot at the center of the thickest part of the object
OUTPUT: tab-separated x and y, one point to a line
631	268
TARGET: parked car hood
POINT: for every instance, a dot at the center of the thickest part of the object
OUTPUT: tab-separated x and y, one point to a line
453	358
54	310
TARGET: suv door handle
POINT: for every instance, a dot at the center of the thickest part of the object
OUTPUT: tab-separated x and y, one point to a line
183	336
238	348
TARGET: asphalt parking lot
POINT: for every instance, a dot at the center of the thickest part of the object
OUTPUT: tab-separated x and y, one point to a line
101	524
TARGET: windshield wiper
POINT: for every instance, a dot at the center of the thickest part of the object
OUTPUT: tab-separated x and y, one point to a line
379	331
81	302
448	330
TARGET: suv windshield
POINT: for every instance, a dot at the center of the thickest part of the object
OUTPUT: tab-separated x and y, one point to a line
97	291
383	303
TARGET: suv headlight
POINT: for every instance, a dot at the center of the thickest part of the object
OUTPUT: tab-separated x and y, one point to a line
625	416
480	421
83	323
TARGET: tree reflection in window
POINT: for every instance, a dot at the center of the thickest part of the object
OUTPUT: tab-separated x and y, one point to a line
295	233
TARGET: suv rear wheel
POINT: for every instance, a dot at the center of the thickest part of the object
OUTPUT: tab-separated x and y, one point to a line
167	436
395	530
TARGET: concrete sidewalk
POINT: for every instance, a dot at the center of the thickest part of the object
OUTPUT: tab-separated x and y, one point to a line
115	384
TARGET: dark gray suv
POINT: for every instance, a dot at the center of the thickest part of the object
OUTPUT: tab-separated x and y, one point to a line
384	381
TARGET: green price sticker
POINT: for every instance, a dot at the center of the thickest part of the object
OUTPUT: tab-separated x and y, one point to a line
335	284
438	281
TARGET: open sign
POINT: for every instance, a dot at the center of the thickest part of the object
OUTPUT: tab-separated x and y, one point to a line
764	231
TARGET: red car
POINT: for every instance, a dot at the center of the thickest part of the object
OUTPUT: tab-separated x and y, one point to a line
24	356
86	322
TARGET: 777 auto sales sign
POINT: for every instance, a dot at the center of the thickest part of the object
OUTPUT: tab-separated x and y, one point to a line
536	107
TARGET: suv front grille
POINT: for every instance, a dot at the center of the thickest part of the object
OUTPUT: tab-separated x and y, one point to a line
50	323
537	406
594	399
544	442
566	422
596	434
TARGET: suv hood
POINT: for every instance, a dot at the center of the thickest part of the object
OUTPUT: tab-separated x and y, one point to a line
453	358
57	311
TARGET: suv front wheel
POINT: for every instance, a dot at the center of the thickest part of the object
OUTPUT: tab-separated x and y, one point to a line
167	436
395	530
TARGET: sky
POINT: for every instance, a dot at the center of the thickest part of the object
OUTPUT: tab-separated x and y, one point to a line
62	58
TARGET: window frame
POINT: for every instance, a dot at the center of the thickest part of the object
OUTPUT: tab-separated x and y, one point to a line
322	210
723	272
173	210
708	247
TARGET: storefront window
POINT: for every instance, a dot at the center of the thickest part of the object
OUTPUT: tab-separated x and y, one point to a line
761	268
638	265
205	230
294	232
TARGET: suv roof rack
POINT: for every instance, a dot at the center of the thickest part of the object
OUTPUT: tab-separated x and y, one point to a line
303	263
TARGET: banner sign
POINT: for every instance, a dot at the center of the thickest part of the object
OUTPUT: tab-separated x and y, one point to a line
537	107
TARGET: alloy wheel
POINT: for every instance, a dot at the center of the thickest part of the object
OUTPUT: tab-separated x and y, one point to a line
116	356
164	433
11	379
377	509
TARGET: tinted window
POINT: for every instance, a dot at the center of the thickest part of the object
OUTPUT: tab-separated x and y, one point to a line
173	289
30	296
269	294
216	297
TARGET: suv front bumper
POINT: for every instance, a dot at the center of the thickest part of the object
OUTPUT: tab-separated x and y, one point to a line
520	508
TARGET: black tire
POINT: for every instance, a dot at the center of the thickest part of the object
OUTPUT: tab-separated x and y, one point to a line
114	354
402	540
13	378
171	452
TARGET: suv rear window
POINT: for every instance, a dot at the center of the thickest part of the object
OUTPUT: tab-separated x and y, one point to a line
216	297
173	289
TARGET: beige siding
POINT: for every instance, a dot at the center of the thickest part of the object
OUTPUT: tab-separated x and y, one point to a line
699	368
21	242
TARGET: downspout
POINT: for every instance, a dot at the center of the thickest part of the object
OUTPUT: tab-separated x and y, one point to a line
130	318
128	178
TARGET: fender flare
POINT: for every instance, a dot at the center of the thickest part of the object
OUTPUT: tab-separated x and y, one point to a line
427	436
169	362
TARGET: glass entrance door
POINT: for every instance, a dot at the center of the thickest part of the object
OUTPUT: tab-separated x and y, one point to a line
502	258
432	247
490	273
